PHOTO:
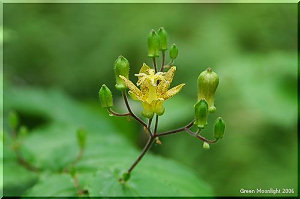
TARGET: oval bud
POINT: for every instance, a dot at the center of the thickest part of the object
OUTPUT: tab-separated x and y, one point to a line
208	82
201	113
173	52
206	145
81	137
219	128
163	38
121	67
153	44
13	119
105	97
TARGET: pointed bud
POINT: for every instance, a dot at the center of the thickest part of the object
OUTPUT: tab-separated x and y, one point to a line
153	44
13	119
163	38
121	67
81	137
219	128
206	145
207	85
173	52
201	113
105	97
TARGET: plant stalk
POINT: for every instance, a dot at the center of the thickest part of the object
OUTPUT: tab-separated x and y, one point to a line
146	148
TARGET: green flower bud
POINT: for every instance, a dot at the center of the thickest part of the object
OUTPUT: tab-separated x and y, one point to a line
219	128
207	85
163	38
153	44
81	137
13	119
201	113
23	131
121	67
126	176
173	52
206	145
105	97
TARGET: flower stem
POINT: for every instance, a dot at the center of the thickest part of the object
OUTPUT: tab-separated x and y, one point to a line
189	125
156	124
133	115
163	60
149	123
146	148
154	64
117	114
201	137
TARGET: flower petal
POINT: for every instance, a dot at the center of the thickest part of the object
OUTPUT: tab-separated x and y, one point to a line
162	87
134	90
159	108
148	110
173	91
145	69
164	84
170	74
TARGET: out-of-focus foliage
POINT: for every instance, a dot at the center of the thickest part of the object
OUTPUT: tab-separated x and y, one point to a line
252	47
51	146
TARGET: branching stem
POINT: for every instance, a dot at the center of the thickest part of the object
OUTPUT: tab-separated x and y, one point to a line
189	125
133	115
117	114
146	148
201	137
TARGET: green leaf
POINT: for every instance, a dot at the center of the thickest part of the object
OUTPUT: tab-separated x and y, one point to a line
51	185
16	179
53	147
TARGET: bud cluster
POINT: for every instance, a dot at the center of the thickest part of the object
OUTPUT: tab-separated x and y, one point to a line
208	82
158	41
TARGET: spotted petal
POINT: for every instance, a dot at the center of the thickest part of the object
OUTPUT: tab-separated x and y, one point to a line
164	85
145	69
170	74
173	91
133	89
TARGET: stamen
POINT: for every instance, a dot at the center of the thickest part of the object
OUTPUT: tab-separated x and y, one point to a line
152	82
140	75
160	73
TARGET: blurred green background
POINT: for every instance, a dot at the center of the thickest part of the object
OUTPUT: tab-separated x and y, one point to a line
252	47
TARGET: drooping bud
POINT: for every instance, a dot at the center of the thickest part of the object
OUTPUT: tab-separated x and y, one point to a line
13	119
208	82
153	44
121	67
219	128
201	113
81	138
163	38
173	52
206	145
105	97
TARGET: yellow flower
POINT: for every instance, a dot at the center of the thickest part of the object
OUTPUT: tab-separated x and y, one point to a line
153	89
